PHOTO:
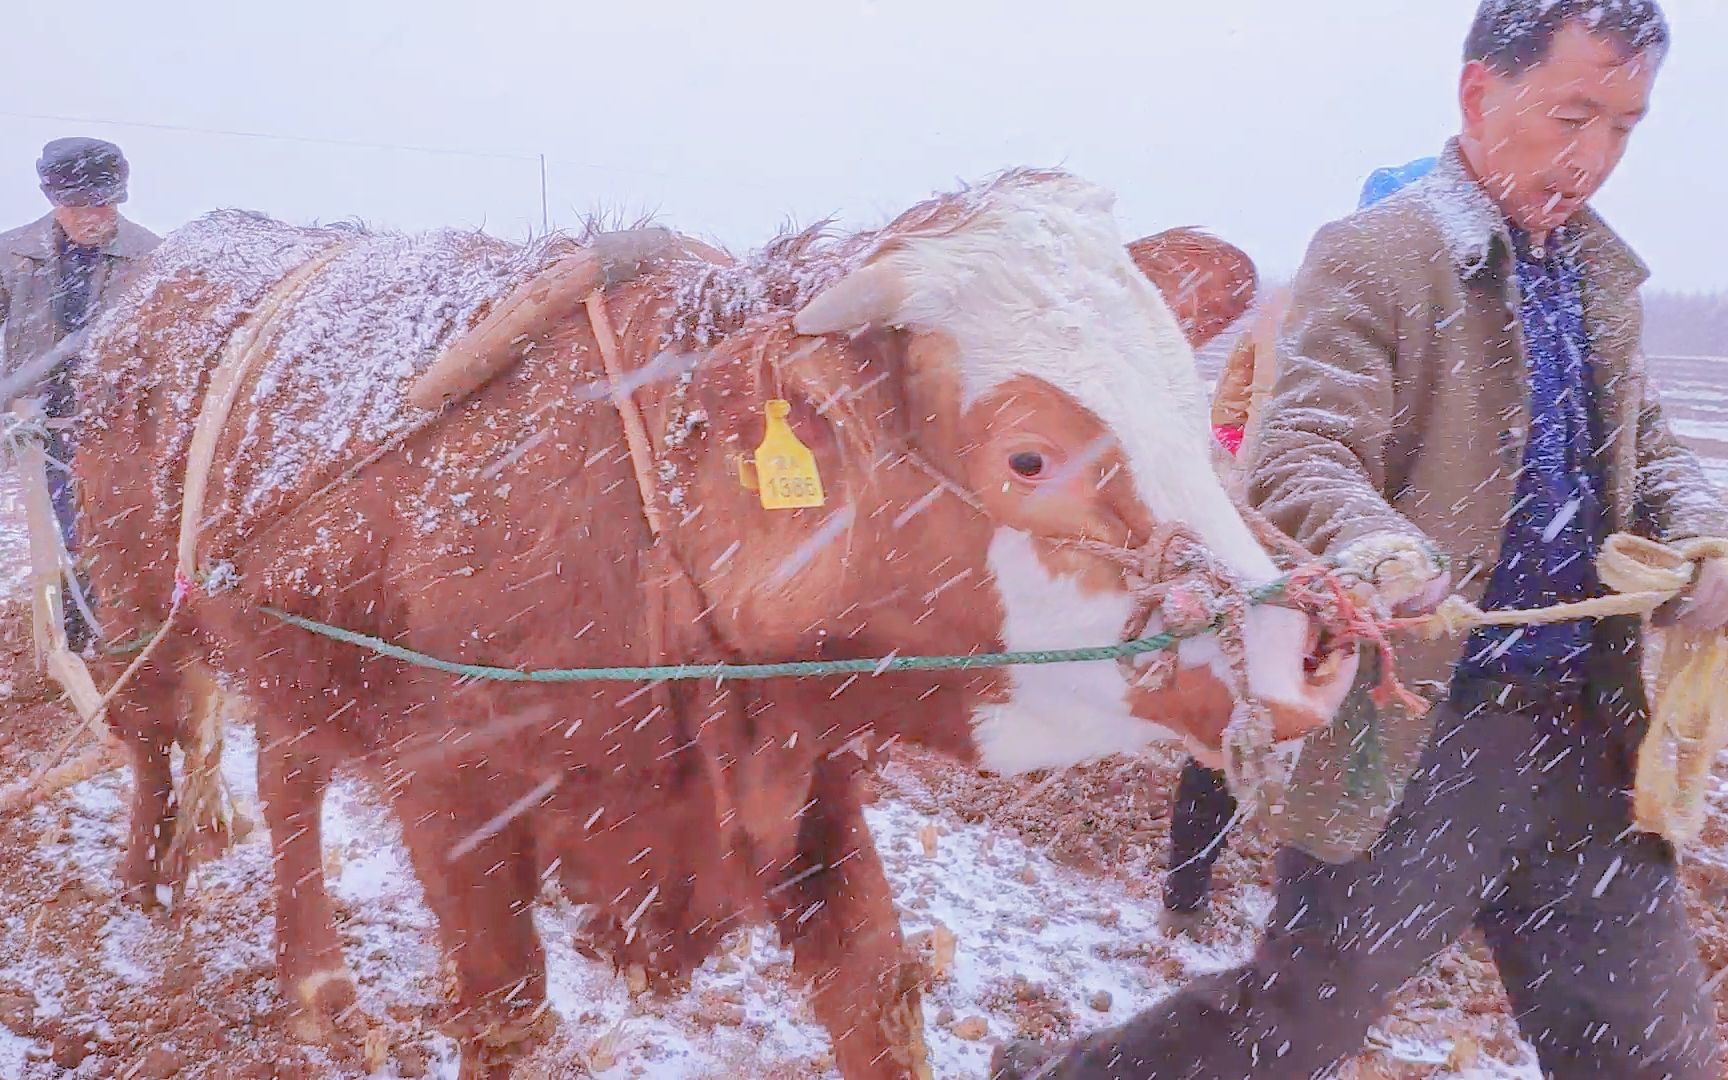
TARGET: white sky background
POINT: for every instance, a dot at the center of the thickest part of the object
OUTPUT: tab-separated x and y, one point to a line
1256	118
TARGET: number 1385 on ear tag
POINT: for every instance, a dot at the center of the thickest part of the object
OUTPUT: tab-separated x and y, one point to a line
786	473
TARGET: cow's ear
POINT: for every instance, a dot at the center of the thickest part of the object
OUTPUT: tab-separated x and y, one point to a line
869	296
1207	282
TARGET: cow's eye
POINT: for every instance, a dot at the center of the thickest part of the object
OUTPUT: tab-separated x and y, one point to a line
1027	463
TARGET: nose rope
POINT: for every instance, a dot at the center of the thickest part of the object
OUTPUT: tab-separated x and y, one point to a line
1316	588
1178	577
1182	581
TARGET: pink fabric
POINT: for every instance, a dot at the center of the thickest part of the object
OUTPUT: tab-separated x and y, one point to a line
1229	436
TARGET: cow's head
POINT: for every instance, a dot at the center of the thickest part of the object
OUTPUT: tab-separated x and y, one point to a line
1051	382
1207	283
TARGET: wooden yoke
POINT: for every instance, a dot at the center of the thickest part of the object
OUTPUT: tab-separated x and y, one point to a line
530	314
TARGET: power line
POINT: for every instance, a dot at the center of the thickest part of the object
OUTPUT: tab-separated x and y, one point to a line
269	136
363	144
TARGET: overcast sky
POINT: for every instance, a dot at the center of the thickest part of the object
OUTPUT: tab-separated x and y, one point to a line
1256	118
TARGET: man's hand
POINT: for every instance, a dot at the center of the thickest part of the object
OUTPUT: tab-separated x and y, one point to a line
1703	607
1400	574
1427	600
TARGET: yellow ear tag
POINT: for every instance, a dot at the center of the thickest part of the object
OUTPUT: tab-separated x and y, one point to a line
786	476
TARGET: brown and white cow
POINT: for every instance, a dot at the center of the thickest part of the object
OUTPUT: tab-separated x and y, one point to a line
1004	413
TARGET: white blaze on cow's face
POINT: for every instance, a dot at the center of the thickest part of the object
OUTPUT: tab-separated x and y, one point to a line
1040	310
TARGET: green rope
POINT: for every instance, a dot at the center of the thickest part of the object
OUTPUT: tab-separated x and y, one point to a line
130	646
791	669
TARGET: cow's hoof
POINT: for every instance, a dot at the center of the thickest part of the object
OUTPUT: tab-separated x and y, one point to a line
141	886
1188	924
492	1053
323	1010
1022	1059
208	842
483	1062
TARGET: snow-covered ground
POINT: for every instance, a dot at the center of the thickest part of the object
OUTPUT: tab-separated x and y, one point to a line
1695	397
1026	932
1013	914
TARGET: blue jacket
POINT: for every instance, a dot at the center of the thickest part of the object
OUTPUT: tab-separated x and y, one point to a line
1383	182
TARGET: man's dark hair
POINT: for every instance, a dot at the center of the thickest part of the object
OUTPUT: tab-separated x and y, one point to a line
1513	36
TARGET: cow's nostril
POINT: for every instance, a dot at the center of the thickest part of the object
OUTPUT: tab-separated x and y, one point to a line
1325	668
1315	651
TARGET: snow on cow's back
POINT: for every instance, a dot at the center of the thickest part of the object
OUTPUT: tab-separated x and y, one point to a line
332	385
213	272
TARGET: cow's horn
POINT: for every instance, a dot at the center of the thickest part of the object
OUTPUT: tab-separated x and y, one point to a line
873	294
534	311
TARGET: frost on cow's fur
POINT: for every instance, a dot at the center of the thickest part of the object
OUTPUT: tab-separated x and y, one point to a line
1030	276
333	385
714	300
225	262
1027	272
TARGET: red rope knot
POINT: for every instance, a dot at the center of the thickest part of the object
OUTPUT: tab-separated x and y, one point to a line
1345	622
1324	594
182	587
1176	578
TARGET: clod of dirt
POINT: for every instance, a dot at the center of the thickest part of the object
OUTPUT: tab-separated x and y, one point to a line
71	1048
17	1009
1037	1012
1465	1051
636	978
971	1029
719	1008
412	1061
161	1063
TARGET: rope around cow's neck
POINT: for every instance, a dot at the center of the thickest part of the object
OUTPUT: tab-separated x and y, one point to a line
1173	559
1151	643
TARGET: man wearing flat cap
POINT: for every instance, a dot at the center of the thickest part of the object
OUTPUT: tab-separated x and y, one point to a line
54	275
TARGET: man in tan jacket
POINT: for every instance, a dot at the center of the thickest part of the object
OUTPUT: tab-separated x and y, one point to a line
1460	393
54	275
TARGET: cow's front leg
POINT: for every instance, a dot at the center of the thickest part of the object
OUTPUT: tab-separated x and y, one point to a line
836	910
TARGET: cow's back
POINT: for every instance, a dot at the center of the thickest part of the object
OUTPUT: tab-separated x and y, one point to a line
326	384
143	381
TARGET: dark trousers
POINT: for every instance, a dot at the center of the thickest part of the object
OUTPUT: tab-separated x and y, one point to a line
1517	824
59	403
60	489
1198	817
